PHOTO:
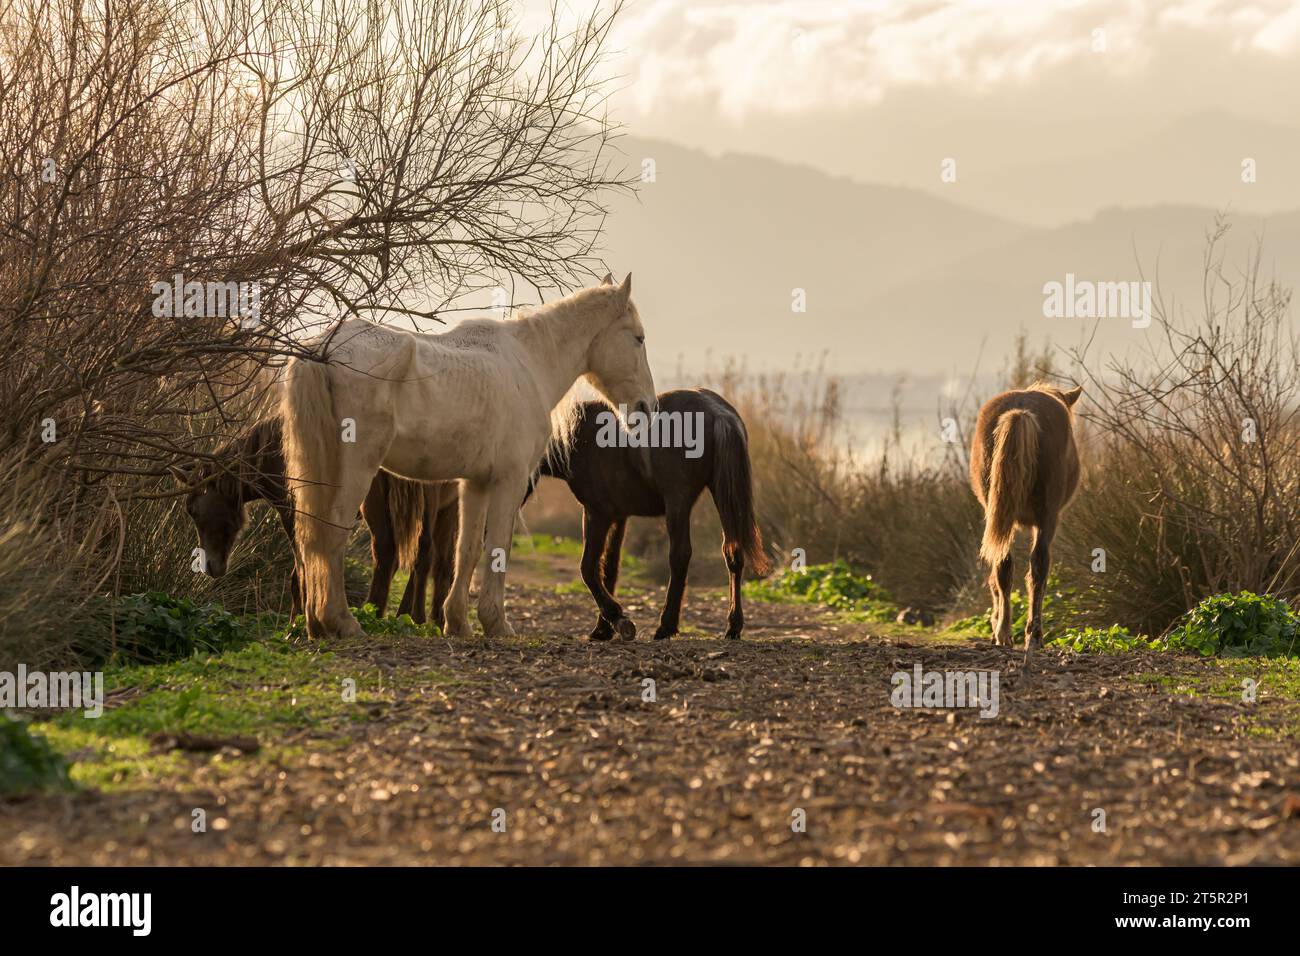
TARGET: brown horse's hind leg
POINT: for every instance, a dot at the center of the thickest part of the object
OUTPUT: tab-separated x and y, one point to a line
1000	585
1039	563
734	555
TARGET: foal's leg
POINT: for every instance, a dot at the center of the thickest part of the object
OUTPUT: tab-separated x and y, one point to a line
285	513
1000	585
600	574
734	555
1039	562
678	519
469	544
444	556
417	583
503	504
383	546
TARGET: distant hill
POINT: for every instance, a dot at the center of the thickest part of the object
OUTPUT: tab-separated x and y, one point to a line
1194	159
895	279
717	244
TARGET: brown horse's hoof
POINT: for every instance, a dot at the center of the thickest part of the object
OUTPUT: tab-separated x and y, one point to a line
626	628
601	632
732	635
663	634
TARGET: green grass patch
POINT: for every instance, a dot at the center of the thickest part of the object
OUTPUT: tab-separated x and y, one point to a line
982	624
1275	680
395	625
835	585
267	690
548	544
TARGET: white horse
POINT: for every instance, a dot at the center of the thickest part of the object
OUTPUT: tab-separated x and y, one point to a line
473	403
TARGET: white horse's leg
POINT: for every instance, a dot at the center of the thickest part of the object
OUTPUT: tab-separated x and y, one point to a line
503	503
469	543
333	613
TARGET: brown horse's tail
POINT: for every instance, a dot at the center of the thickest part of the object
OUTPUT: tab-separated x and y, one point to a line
733	493
1011	477
406	506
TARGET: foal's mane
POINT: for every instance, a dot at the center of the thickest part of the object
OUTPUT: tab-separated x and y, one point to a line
243	457
566	416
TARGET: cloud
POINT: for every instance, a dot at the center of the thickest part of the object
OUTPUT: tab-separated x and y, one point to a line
747	57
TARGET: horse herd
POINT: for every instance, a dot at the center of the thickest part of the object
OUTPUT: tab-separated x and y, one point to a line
439	439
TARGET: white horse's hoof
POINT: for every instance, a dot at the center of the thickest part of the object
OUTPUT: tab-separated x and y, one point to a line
503	629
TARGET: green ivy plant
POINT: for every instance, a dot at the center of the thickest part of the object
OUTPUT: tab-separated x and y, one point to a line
1095	640
27	761
834	585
1238	625
156	627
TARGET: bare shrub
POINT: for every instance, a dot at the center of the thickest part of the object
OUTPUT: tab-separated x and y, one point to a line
1192	468
310	157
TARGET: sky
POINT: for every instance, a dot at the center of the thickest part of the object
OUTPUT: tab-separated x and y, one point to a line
880	90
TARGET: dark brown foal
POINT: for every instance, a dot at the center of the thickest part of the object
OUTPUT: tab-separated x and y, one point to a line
412	524
614	483
1024	469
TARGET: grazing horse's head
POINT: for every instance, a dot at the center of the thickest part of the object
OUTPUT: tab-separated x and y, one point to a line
617	363
217	510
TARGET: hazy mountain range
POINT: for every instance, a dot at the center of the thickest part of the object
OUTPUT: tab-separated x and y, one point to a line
895	279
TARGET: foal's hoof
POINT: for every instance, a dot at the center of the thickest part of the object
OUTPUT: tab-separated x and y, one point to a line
625	628
733	634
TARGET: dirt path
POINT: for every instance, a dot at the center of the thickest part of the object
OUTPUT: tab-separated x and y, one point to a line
553	737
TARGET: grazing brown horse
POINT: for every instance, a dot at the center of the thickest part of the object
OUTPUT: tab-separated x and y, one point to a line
1024	469
412	524
613	483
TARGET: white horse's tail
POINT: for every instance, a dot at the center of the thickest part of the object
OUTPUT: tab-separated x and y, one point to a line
311	452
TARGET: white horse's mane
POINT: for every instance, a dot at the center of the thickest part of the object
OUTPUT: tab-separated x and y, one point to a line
567	413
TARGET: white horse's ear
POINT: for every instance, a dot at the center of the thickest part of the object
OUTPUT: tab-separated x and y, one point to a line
1072	395
608	280
626	287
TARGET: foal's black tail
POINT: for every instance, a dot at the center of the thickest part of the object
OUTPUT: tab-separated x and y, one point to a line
733	492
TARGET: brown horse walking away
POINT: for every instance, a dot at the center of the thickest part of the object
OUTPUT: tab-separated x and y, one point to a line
412	524
613	483
1024	469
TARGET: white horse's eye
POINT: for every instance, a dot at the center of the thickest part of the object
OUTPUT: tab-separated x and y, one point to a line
640	340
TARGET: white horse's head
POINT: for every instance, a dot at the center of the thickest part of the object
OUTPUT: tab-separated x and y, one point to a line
616	364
